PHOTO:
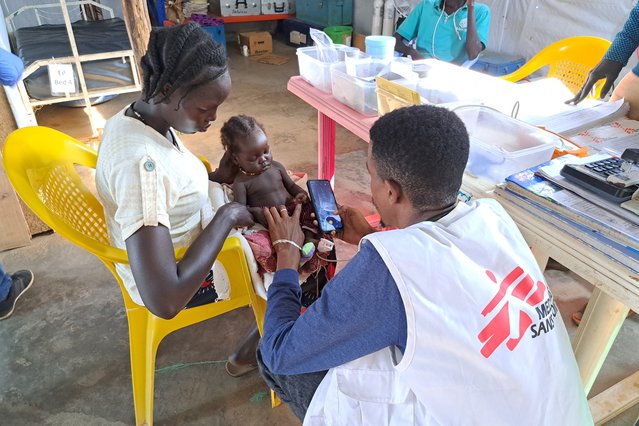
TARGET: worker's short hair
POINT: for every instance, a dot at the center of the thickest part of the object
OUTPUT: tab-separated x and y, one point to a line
424	149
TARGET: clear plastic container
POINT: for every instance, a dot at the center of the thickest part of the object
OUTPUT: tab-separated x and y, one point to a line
358	90
403	67
442	83
501	146
315	71
352	57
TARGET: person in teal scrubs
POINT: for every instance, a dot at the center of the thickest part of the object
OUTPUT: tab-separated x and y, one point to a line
450	30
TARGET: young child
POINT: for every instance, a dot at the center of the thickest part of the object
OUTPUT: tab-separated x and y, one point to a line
263	182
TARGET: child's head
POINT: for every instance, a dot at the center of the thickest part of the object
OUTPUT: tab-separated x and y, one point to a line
246	139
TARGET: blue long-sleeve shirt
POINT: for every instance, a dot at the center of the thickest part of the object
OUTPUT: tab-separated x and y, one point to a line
626	41
359	312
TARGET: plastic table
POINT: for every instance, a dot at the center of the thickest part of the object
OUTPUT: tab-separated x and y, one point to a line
329	112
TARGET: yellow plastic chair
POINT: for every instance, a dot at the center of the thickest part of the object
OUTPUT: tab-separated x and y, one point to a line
569	60
40	165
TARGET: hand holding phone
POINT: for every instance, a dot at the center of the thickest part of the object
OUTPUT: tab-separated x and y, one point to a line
324	204
355	225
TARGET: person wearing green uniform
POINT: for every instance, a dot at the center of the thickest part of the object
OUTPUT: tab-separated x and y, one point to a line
450	30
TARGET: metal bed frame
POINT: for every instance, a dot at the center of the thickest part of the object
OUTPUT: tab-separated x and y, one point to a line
76	59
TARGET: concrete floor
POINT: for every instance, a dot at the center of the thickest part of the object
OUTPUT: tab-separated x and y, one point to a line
66	360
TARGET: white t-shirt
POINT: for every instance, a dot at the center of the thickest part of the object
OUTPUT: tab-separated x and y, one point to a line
142	179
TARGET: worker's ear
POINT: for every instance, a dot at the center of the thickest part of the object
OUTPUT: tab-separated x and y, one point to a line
394	193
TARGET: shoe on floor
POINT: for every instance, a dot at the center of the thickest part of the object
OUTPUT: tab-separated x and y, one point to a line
22	281
238	370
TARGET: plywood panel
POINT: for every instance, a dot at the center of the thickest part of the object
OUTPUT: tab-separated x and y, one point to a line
14	231
14	215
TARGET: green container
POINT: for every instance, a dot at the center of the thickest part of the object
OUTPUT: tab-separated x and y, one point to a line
340	34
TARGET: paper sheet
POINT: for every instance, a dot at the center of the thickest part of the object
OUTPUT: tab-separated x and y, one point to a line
579	119
541	98
611	138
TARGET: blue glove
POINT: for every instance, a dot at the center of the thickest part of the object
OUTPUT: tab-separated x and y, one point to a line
11	68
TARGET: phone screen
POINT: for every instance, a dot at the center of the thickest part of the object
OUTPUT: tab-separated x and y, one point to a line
324	204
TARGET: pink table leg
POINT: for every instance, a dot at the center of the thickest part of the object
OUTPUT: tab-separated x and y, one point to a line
325	148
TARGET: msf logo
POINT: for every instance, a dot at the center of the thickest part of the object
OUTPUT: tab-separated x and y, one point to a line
509	324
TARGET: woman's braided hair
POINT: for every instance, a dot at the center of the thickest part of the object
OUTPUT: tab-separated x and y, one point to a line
181	56
237	127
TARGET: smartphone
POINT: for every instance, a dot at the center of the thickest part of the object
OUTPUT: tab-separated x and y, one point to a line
324	204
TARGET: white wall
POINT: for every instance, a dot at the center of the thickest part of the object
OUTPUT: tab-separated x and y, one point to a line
362	16
526	26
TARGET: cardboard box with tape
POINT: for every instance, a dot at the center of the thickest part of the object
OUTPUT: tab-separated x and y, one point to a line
257	42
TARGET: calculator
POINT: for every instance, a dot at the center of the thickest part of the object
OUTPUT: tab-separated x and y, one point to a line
592	176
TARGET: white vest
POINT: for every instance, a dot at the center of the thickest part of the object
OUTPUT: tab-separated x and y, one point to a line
485	342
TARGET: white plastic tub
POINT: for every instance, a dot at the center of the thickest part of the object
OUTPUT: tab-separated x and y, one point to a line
501	146
316	71
358	88
357	91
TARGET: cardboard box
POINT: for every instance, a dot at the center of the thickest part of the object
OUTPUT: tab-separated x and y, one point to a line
258	42
359	41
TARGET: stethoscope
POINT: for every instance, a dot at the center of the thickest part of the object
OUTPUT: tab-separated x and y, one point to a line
446	20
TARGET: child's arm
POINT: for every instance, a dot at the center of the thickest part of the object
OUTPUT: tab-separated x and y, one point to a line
295	190
239	195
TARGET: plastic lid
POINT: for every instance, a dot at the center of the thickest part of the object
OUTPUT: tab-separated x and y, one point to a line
313	52
497	131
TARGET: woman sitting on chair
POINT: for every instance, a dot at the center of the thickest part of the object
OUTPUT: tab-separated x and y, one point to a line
155	191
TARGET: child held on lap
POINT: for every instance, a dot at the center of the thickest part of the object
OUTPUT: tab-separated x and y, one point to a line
263	182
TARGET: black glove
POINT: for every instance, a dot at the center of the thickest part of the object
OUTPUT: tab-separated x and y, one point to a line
605	69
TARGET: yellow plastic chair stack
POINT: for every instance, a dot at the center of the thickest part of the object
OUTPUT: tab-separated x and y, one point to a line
569	60
40	165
